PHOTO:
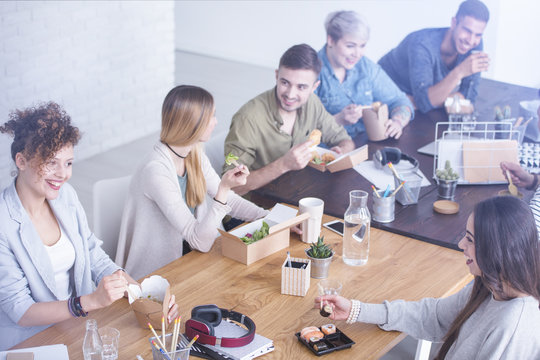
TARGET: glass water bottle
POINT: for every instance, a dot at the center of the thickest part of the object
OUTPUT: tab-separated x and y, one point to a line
357	229
92	345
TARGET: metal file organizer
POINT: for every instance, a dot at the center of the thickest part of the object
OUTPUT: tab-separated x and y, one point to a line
450	147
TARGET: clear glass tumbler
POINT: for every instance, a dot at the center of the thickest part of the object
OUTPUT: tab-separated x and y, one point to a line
357	228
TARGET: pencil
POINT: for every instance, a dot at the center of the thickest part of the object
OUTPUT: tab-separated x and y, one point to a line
163	329
156	335
176	332
407	190
391	166
397	189
375	191
192	341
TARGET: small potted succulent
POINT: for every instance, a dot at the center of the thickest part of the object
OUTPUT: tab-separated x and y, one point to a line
320	255
447	180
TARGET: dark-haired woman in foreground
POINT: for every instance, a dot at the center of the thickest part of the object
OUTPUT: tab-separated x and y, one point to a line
496	317
52	266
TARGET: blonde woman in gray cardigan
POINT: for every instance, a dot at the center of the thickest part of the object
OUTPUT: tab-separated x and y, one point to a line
497	316
175	194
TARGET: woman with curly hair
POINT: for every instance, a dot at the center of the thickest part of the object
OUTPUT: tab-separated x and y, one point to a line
52	266
497	316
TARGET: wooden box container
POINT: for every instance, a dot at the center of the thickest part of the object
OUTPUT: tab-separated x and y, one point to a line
295	280
342	162
280	219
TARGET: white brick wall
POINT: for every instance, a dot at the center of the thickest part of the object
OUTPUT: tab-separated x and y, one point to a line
109	64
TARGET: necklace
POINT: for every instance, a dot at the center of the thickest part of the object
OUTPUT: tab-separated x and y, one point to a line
174	152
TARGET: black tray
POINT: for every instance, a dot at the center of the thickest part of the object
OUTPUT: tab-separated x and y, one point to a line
336	341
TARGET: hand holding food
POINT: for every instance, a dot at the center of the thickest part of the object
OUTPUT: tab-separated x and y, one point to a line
231	159
235	177
315	137
297	157
340	306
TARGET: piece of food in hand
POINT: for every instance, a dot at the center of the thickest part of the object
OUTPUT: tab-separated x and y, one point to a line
231	159
315	137
326	310
257	235
328	329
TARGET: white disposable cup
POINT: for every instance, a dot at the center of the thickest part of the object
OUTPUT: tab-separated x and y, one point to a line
311	228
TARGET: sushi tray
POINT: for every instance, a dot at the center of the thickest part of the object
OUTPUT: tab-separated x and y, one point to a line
327	344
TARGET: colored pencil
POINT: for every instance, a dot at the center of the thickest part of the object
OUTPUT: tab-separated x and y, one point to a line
156	335
375	191
163	329
192	341
397	189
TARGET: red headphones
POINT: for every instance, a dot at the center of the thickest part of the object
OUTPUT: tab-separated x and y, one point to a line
205	317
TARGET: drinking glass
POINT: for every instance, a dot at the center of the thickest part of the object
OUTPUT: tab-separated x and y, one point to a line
109	337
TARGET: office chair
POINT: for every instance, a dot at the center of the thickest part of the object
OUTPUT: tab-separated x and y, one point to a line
109	196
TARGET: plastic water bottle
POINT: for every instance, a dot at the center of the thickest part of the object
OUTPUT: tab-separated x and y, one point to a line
92	345
357	228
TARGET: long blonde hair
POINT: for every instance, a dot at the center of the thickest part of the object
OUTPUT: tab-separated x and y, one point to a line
185	116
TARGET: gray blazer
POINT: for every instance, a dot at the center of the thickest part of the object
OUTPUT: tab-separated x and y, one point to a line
26	273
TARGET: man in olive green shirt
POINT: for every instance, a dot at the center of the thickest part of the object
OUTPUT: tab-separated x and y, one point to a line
270	133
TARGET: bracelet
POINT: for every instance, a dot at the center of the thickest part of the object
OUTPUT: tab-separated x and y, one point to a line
70	307
355	311
222	203
534	184
78	307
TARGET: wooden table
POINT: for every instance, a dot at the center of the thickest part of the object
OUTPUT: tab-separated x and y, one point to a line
417	221
398	268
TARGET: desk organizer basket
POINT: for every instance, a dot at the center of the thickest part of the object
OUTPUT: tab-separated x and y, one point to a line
475	154
295	280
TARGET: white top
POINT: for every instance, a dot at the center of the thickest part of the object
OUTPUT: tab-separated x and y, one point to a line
156	217
62	255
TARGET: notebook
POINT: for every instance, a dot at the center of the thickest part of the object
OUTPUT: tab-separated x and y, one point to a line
48	352
259	346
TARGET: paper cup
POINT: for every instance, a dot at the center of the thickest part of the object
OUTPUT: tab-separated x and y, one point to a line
311	228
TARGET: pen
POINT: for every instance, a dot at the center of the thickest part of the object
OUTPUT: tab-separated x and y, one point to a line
386	191
289	259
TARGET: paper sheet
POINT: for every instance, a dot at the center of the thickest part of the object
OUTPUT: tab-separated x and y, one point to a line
48	352
381	178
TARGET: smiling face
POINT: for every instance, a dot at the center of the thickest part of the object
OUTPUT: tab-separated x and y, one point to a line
345	52
293	87
467	245
466	33
44	181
